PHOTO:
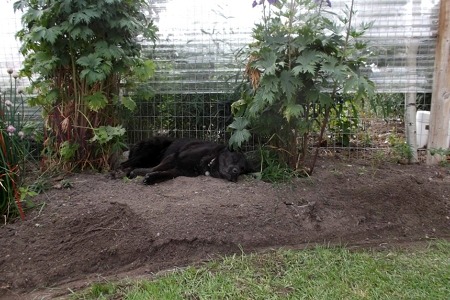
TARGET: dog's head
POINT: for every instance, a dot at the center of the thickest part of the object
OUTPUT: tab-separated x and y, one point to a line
231	165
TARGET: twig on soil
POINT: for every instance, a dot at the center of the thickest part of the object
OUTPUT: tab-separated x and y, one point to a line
105	228
42	207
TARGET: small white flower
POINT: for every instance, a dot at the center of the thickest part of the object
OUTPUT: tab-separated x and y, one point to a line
21	134
8	103
10	129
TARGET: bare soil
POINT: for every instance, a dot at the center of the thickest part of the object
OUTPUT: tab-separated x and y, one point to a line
104	228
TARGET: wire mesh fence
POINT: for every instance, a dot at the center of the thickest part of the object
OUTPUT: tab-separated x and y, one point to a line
198	69
203	116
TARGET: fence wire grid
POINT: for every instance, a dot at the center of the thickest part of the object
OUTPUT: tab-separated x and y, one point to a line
197	68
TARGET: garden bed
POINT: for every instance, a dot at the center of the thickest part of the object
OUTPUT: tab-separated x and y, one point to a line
113	228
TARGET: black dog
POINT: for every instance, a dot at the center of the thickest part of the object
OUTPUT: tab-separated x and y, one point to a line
160	159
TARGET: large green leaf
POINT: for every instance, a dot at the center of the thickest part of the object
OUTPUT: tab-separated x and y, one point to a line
325	99
292	110
307	62
66	6
108	51
268	89
331	67
51	97
366	88
92	75
238	137
106	67
104	134
85	16
145	71
38	33
239	123
96	101
258	104
31	15
288	83
263	97
81	32
51	34
129	103
90	61
44	63
267	61
351	84
68	150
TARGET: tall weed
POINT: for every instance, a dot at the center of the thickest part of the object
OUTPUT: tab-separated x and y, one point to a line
15	139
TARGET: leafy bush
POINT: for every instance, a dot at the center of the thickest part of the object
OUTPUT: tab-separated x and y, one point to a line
401	150
443	153
273	170
78	56
388	106
303	62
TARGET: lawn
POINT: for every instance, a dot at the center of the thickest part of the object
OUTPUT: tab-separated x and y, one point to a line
316	273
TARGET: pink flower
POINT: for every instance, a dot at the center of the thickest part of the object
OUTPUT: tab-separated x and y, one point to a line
10	129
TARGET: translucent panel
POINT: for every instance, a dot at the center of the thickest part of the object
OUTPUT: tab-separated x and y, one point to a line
199	40
198	67
402	40
9	46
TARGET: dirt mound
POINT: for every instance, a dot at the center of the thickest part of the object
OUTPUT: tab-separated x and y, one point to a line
71	243
103	227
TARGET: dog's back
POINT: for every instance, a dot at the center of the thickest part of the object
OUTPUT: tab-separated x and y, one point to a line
148	153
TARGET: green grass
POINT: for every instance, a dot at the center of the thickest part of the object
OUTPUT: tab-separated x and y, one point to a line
319	273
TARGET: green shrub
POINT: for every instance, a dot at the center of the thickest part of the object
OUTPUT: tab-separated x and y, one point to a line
303	62
78	57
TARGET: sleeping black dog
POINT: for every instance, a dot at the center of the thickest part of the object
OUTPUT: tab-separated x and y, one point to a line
161	158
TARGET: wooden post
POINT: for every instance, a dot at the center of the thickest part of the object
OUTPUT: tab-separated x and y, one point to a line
410	100
440	100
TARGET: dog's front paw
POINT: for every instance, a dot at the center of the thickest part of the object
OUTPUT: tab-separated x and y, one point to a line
131	175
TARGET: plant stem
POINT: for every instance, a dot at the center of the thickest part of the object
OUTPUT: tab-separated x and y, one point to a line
333	95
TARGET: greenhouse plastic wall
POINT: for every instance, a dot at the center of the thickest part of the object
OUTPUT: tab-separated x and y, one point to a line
9	46
10	58
198	69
